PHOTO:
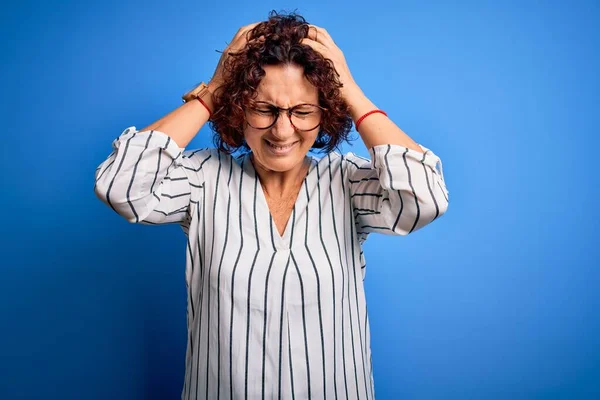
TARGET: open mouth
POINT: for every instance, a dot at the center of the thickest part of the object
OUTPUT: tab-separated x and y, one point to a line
280	148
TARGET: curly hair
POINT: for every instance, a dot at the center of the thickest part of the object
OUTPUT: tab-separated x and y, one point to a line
243	72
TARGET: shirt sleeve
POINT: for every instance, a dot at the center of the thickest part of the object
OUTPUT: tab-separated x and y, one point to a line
148	179
398	191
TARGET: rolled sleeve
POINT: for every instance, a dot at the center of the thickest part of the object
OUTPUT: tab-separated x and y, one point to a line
149	179
397	191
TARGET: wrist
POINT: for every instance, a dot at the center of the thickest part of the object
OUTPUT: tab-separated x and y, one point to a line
350	92
358	103
213	85
205	97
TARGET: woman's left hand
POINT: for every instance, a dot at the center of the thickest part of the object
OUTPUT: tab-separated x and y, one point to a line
320	40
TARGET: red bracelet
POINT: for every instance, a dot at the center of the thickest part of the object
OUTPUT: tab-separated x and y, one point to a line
367	114
205	106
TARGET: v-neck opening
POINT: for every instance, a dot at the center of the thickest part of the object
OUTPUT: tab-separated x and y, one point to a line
282	242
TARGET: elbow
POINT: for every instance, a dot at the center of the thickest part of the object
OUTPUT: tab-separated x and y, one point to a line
414	218
119	204
100	190
432	209
442	207
435	204
103	184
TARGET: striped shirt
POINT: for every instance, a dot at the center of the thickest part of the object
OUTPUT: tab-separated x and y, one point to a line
270	315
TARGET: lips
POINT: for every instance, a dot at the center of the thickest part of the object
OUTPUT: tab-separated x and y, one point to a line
281	147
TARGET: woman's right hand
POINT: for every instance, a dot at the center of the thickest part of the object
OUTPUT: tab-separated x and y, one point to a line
237	43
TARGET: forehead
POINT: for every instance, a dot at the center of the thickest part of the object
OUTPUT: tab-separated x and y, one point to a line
285	86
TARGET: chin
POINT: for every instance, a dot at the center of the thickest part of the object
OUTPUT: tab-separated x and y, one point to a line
280	164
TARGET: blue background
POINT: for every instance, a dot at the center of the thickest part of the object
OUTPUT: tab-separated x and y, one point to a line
498	299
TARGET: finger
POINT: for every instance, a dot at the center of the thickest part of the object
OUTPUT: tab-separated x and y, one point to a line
241	37
259	39
243	31
315	45
313	33
320	35
246	28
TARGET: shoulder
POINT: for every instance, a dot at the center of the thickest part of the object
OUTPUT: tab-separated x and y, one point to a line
334	158
350	160
207	158
341	162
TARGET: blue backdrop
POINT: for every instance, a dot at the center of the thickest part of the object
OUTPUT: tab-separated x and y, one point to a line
498	299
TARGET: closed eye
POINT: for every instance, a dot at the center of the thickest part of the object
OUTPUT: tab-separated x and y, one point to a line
264	112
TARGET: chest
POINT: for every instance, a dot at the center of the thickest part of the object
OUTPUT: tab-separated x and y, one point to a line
281	209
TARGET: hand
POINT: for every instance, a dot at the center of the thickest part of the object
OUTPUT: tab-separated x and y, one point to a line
237	43
320	40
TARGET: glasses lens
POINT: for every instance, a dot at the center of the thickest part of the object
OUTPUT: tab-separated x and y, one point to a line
260	116
305	117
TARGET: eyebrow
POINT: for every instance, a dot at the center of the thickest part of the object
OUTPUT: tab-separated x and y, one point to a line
275	105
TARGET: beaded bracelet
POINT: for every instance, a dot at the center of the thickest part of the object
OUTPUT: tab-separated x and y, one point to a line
367	114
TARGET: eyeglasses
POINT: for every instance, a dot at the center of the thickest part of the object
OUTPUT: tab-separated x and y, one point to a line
303	117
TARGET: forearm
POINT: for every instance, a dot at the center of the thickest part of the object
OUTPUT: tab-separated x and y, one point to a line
183	123
376	129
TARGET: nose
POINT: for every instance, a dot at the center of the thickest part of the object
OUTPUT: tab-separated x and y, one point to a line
283	128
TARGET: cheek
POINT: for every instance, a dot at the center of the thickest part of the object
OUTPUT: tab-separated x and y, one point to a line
252	137
309	138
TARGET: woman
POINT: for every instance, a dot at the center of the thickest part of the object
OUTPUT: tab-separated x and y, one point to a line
276	306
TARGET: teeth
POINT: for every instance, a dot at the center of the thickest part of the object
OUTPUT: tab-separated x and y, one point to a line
280	147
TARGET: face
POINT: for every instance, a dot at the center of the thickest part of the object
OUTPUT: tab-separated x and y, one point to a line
281	147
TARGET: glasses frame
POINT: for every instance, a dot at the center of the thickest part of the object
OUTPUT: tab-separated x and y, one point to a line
277	111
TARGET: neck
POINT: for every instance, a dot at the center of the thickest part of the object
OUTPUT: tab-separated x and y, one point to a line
278	184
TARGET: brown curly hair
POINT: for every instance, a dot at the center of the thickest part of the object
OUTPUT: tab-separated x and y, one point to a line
243	72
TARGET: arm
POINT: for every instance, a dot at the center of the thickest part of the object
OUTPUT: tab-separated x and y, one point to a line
183	123
401	189
376	129
149	179
398	191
